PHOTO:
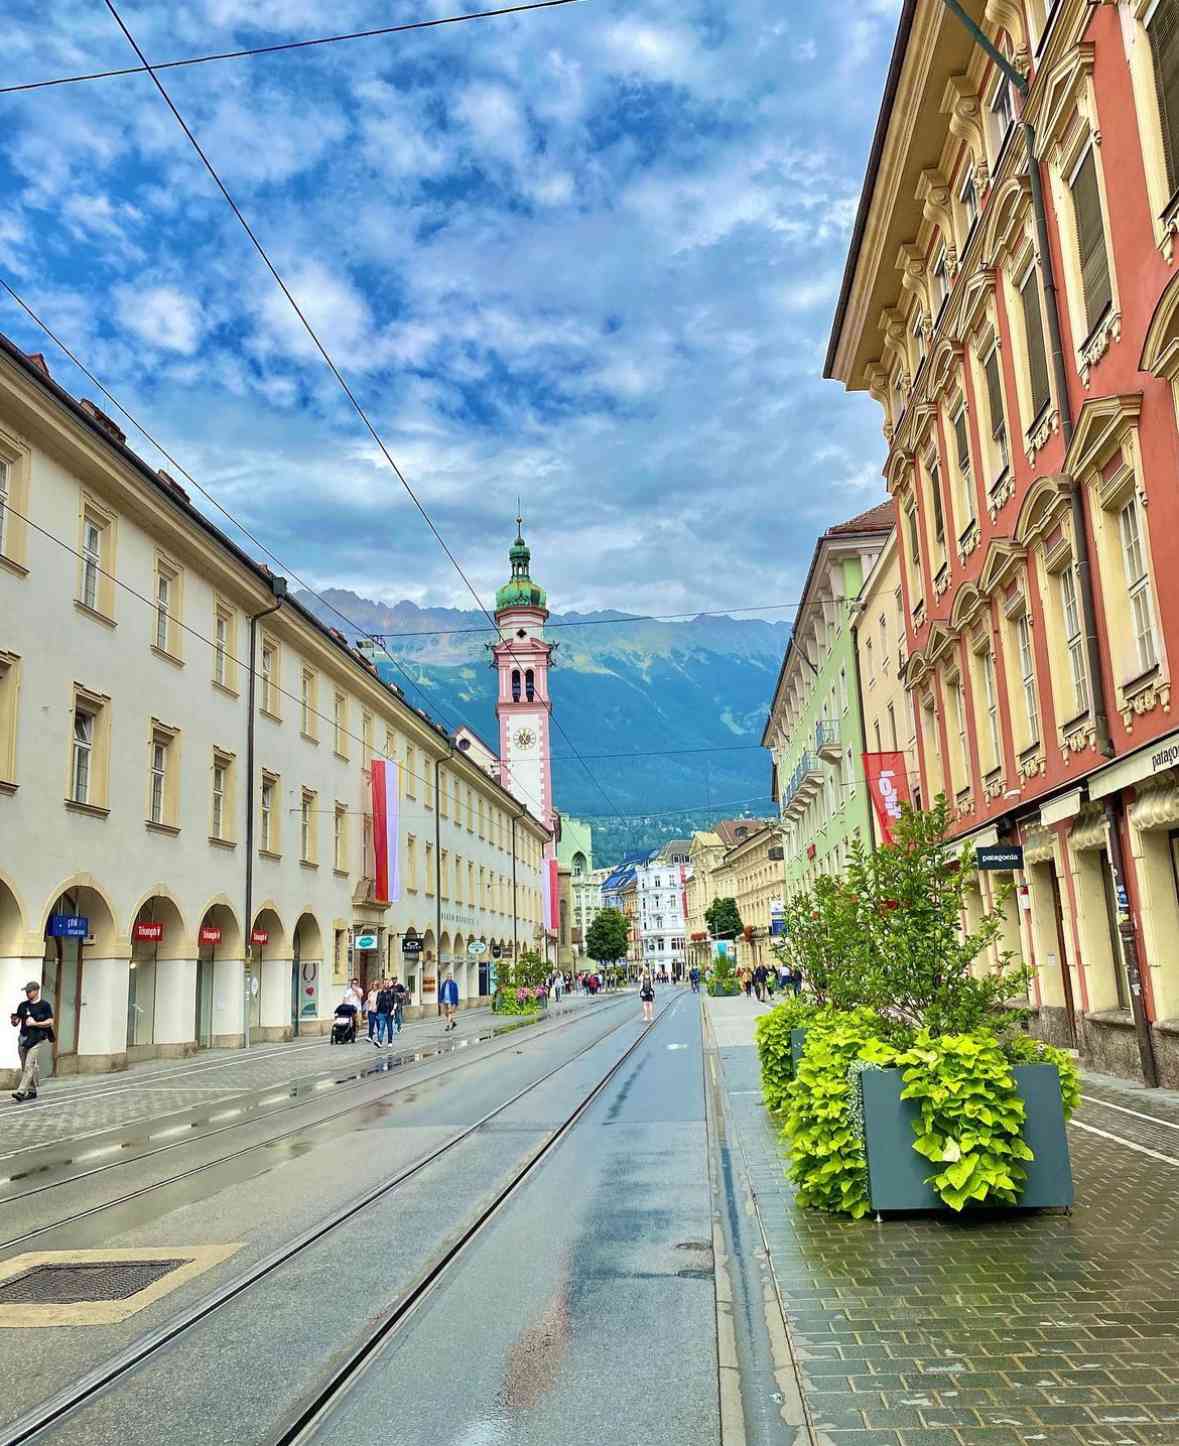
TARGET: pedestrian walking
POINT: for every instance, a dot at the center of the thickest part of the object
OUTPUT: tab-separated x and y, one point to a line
386	1006
558	987
759	983
370	1009
33	1018
400	995
449	998
647	995
694	976
745	979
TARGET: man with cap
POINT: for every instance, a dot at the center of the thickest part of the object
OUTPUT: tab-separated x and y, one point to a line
34	1018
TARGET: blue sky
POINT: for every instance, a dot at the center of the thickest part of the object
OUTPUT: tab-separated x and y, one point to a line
588	255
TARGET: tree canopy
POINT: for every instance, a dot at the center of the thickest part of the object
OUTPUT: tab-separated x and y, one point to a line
607	938
723	919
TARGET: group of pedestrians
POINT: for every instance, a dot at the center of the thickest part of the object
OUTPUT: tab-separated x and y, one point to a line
761	981
384	1005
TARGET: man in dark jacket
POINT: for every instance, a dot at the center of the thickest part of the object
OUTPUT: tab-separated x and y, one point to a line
33	1017
386	1007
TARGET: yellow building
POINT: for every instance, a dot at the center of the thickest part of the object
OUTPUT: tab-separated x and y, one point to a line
757	882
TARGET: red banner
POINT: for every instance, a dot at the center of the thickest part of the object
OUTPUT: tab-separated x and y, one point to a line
259	936
888	783
147	933
210	934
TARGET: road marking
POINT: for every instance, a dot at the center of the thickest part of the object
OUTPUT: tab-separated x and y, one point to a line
1125	1110
1129	1144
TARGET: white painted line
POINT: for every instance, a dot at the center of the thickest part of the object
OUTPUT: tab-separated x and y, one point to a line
1129	1144
1125	1110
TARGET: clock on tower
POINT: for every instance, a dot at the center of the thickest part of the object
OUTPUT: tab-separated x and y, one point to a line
522	659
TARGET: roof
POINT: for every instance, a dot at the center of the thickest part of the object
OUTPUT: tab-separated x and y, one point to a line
98	424
892	81
733	831
876	519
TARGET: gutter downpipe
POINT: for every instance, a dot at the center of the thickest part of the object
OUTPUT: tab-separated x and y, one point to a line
278	586
1114	805
438	867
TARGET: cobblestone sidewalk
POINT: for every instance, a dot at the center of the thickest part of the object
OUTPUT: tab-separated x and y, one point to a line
80	1105
934	1331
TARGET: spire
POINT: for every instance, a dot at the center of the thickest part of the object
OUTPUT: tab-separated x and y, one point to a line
520	590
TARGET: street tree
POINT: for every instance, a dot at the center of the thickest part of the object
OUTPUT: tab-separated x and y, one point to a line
723	919
608	937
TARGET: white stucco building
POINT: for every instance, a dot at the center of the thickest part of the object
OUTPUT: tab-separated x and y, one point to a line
177	878
661	906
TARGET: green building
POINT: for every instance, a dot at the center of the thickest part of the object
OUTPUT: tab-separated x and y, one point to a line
815	731
575	858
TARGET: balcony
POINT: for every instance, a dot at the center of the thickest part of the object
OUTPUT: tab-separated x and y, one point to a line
827	744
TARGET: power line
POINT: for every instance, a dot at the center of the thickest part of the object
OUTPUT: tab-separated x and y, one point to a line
287	45
310	330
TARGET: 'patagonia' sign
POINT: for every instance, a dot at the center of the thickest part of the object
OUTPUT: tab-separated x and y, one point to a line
999	856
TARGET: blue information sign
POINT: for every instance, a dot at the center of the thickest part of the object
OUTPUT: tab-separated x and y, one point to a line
67	926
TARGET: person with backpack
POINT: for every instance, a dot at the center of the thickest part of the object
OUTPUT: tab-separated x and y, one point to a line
400	998
647	995
386	1007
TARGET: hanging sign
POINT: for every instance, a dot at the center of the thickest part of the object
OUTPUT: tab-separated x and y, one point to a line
999	856
209	934
411	946
888	783
366	942
476	947
259	936
67	926
146	932
496	951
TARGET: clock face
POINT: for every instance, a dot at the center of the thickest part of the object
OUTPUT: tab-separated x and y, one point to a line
525	738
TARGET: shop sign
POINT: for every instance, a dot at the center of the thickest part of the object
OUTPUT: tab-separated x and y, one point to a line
999	856
209	934
259	936
476	947
309	977
496	951
1156	757
67	926
366	942
147	933
411	946
777	928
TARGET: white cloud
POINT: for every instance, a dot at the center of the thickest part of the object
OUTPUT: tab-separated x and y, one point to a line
160	315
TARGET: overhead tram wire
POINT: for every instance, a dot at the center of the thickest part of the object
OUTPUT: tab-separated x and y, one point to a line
287	46
333	368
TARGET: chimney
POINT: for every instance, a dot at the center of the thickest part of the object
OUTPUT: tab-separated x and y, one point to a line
38	360
108	425
172	485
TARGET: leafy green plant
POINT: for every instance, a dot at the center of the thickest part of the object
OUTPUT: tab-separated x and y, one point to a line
827	1161
722	977
723	919
1023	1049
971	1120
608	936
772	1034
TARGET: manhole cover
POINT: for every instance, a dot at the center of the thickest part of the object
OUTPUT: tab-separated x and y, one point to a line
97	1280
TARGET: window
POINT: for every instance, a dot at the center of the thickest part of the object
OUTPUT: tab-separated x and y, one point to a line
529	685
83	755
1073	639
458	879
411	770
429	879
935	495
1164	47
958	696
160	809
1001	459
991	697
366	740
267	824
1138	584
340	725
269	677
307	827
968	197
340	839
470	809
1027	673
218	815
91	562
892	727
869	665
1002	113
879	742
883	643
163	599
941	280
220	647
962	458
843	697
1033	325
917	329
307	708
9	665
444	874
5	470
1095	278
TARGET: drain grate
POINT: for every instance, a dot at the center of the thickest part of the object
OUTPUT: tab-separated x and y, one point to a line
97	1280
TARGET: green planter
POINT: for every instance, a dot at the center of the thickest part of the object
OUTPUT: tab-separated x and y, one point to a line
797	1045
896	1172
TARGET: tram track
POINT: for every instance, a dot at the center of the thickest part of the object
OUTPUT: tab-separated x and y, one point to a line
59	1407
368	1079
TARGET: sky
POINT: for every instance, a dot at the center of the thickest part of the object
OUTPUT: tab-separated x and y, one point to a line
587	255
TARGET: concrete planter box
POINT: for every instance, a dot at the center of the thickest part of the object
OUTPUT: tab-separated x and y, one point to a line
896	1172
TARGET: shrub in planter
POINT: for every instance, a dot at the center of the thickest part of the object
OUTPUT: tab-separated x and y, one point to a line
1023	1049
772	1034
722	978
827	1160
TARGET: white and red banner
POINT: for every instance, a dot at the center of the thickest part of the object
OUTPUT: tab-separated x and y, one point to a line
551	892
386	818
888	783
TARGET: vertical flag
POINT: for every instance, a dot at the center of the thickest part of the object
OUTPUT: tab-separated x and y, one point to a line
550	890
386	819
888	783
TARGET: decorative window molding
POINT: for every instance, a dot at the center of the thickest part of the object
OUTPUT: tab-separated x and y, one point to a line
15	466
9	715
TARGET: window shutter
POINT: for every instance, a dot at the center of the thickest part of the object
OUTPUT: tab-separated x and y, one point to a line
1164	43
1033	323
994	391
1091	241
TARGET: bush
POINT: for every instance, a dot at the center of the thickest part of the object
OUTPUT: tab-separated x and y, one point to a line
722	978
1023	1049
971	1117
827	1160
772	1033
522	1000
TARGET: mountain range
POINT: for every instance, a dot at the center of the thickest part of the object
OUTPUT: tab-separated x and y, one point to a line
667	716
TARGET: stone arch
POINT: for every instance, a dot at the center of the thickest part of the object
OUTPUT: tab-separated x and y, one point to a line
1042	502
427	945
967	602
87	897
11	919
1002	213
458	952
443	951
219	913
307	938
268	917
160	904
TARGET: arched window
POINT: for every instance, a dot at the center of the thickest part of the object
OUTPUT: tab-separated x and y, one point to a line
529	686
516	685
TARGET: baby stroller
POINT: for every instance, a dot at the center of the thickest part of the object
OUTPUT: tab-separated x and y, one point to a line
344	1024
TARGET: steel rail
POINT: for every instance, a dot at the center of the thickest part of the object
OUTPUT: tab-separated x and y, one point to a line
63	1403
368	1078
306	1425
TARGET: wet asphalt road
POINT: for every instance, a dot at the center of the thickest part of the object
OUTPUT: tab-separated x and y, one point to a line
599	1263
